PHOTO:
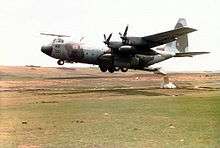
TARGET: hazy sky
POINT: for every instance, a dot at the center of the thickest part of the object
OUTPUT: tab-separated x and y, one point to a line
23	20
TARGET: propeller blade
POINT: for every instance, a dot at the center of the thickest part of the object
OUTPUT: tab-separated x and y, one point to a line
109	37
126	30
107	40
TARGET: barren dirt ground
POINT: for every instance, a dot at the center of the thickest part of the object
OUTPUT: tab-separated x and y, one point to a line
66	107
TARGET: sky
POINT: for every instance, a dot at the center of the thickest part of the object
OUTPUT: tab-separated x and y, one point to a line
22	21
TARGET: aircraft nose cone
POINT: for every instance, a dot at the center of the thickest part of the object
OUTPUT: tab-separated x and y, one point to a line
47	50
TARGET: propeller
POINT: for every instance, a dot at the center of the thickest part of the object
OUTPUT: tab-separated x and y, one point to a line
124	36
107	40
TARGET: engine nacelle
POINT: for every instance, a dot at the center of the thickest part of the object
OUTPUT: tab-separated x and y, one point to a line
106	57
126	49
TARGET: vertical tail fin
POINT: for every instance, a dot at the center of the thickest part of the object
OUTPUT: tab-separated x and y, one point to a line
181	44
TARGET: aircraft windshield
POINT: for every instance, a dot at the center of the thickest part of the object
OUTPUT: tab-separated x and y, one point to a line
58	40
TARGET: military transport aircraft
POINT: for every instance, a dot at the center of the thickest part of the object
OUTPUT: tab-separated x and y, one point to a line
136	53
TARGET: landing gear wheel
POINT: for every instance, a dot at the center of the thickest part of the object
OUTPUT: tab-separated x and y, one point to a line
111	69
124	69
103	68
60	62
116	68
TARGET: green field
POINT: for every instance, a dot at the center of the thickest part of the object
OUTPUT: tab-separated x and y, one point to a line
109	112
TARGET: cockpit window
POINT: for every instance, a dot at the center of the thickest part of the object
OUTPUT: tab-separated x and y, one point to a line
58	40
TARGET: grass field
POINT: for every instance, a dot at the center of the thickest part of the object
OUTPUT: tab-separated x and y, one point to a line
49	107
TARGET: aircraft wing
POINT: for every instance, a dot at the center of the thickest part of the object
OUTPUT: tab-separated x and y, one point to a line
189	54
166	37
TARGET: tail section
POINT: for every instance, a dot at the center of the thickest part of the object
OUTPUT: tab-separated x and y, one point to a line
181	44
179	47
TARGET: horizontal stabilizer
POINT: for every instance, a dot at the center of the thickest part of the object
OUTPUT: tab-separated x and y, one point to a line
189	54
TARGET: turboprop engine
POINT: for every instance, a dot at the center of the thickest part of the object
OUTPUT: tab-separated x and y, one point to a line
126	49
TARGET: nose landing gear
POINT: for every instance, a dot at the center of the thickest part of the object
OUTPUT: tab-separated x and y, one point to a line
60	62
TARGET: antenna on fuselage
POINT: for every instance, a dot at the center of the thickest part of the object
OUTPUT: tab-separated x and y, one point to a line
57	35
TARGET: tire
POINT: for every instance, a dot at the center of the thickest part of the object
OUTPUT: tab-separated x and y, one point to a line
116	68
111	70
103	68
60	62
124	69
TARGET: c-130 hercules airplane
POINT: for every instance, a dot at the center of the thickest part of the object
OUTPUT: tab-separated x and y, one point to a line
130	53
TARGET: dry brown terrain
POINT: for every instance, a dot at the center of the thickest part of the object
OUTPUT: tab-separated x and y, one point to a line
26	91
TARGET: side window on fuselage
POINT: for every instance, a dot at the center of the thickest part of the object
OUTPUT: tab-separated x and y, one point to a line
57	46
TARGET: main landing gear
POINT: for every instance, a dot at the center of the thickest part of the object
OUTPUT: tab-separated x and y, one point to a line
103	68
124	69
60	62
112	69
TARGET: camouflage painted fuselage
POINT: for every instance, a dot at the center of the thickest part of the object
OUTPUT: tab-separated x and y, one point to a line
74	52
